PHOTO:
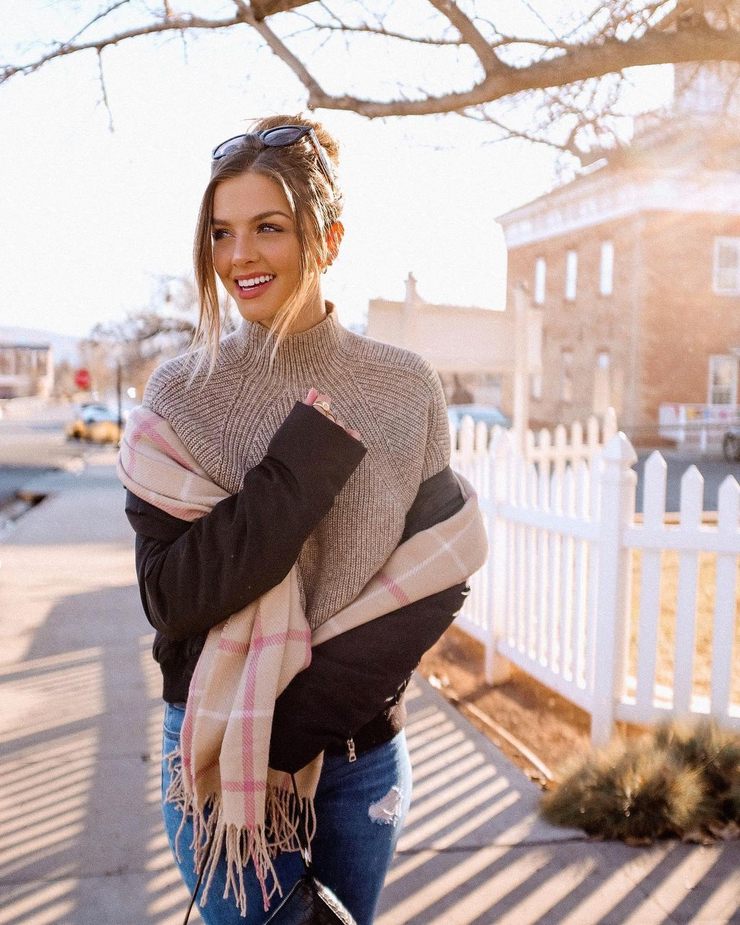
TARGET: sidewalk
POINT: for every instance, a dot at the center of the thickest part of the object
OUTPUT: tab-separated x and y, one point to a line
80	836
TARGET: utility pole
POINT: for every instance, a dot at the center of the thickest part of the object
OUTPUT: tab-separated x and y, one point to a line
119	377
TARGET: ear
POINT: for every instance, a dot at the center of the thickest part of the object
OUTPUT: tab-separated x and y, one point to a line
333	239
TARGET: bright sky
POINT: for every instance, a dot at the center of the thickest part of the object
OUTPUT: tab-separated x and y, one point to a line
92	218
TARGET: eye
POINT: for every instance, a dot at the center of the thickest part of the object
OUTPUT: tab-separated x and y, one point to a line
269	227
218	233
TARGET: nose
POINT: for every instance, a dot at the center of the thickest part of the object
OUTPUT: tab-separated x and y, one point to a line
245	251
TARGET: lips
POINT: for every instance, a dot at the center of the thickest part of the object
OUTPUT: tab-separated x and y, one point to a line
249	287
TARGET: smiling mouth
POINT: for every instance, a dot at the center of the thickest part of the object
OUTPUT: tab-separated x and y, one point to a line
247	284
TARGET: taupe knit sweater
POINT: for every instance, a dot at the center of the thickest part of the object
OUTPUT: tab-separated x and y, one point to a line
391	396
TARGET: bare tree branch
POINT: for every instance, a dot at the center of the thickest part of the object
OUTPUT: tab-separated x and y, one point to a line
286	55
579	63
264	8
97	18
590	134
470	35
104	90
176	23
364	29
605	38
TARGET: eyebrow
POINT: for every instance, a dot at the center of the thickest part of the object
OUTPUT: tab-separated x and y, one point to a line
256	218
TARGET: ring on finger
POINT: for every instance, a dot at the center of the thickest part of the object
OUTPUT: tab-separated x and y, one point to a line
325	408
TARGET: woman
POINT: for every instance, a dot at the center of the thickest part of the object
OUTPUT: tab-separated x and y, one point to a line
289	467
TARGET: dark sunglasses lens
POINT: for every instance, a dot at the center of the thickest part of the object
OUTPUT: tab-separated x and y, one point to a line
282	136
228	147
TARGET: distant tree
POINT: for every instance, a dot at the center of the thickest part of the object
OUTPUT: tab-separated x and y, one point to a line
565	61
64	386
146	337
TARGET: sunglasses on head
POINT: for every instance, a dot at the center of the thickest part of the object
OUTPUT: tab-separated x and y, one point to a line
282	136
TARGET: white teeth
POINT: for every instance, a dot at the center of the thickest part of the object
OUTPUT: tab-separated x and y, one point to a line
250	283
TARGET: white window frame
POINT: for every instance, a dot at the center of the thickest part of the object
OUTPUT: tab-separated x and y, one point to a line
571	275
713	361
540	278
606	268
719	285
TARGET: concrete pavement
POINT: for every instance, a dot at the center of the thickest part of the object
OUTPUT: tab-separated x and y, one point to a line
80	836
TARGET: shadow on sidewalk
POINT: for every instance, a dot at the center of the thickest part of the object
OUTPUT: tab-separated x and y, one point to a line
81	838
475	851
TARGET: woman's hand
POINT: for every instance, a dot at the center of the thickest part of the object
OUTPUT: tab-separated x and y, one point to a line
314	396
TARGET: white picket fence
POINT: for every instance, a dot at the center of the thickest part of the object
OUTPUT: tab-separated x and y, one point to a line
555	597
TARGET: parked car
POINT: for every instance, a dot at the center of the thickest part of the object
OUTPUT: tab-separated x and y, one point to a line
486	413
96	423
731	445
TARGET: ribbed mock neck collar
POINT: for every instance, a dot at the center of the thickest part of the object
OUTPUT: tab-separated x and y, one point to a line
315	350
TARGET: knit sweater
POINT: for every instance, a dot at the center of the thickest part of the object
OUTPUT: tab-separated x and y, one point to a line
390	395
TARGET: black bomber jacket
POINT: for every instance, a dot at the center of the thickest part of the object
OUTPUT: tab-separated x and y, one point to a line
193	575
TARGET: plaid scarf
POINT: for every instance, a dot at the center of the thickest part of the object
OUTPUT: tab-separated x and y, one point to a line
221	773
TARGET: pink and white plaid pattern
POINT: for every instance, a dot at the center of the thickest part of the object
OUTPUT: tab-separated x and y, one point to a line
249	659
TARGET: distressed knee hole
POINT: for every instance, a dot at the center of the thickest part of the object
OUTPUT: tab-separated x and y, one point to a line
387	811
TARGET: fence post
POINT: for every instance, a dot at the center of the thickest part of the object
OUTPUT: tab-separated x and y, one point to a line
498	668
682	421
611	620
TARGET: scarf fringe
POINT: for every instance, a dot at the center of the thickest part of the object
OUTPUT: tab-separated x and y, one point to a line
258	845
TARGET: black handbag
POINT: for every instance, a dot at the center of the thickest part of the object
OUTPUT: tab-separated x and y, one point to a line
309	902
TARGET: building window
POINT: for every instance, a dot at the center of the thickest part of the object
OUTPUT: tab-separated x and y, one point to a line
540	270
606	273
571	275
722	380
566	376
727	266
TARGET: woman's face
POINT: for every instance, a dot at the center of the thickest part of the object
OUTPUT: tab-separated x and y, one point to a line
256	251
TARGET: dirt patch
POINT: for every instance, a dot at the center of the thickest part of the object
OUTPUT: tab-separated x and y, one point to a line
551	727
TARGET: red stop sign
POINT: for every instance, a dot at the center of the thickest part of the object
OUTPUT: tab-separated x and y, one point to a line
82	379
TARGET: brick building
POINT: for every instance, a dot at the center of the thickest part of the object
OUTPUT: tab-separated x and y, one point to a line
636	265
26	369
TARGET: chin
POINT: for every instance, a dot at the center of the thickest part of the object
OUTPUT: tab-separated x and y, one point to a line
263	316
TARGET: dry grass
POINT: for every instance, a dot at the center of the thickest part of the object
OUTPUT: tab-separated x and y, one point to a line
667	623
553	728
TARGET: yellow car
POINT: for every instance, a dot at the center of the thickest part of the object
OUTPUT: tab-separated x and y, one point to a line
96	424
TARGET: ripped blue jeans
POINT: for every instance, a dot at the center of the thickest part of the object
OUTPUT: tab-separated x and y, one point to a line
360	811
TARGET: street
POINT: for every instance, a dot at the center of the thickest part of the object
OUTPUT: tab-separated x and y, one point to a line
713	468
33	444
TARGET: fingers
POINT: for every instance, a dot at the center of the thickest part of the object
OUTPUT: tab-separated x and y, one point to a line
350	431
314	397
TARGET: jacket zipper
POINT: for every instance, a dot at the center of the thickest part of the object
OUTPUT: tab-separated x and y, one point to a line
351	753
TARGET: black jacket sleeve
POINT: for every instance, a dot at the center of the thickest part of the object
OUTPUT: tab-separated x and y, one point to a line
358	674
194	575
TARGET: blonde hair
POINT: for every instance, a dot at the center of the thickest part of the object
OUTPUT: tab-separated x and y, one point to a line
315	205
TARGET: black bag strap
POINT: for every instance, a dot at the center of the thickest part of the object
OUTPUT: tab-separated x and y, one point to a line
209	846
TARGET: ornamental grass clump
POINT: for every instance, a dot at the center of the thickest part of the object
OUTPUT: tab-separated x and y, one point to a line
717	753
678	781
